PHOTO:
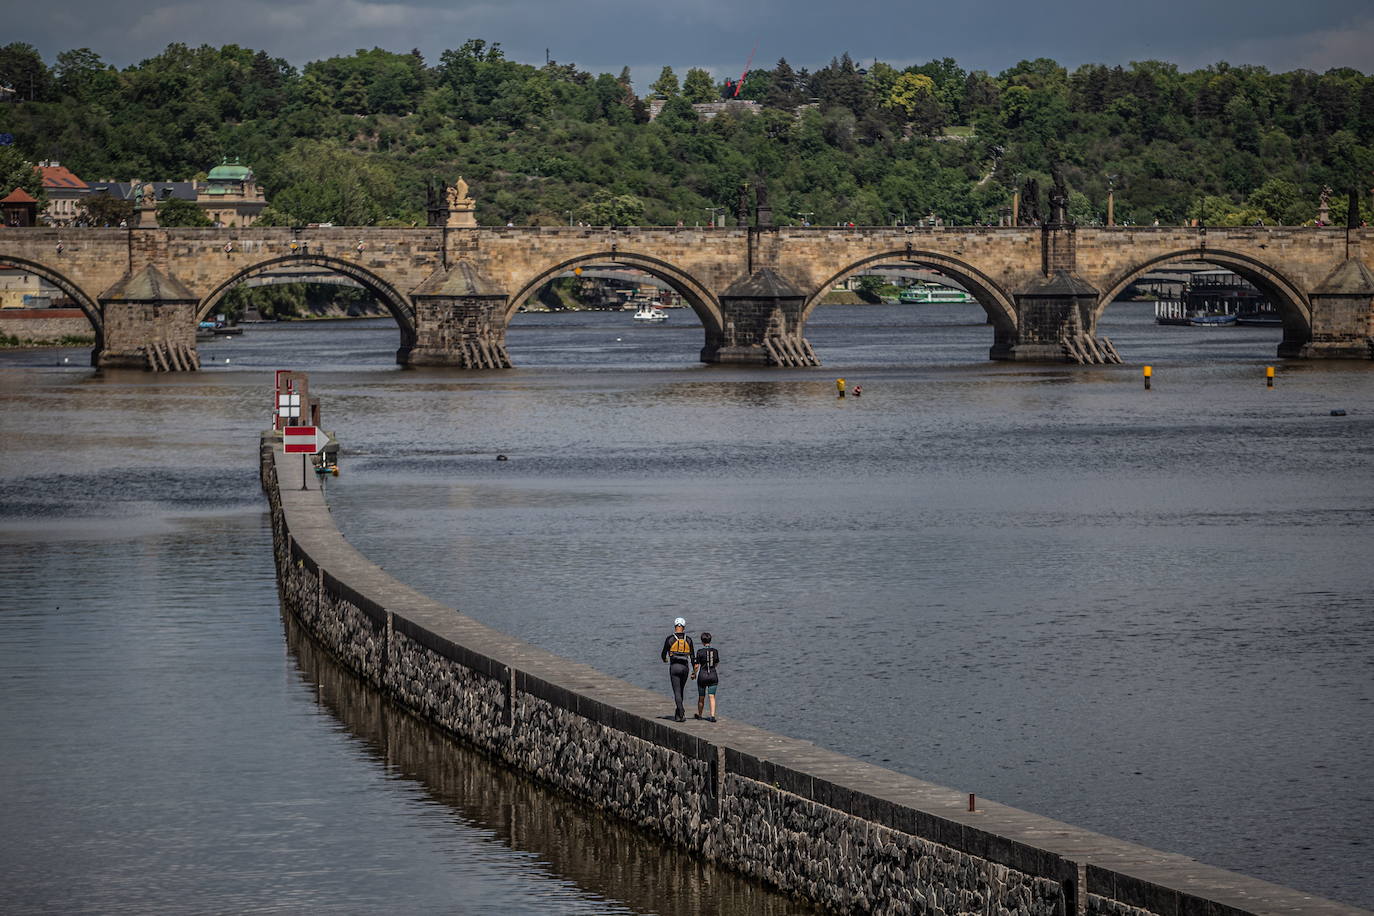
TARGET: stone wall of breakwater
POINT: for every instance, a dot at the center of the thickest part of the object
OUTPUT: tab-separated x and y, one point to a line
846	834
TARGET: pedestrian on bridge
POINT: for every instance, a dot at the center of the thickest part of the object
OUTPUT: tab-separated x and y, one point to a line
704	673
677	652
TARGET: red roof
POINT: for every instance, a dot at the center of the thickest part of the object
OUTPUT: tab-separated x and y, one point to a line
59	176
18	196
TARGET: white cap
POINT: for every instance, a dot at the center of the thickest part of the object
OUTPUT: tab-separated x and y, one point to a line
680	622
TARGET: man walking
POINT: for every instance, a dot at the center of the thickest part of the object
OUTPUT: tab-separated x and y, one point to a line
678	652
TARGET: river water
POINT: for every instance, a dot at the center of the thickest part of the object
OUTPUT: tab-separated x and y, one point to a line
1145	613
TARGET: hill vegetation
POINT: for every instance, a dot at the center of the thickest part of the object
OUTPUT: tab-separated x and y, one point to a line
355	140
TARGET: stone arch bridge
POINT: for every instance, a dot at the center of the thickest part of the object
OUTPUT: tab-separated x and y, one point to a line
454	290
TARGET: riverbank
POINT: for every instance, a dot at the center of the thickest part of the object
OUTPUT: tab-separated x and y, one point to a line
14	343
44	329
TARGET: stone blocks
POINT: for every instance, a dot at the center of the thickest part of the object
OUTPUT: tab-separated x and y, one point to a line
996	264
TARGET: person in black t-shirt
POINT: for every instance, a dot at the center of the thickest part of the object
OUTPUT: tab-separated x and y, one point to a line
704	673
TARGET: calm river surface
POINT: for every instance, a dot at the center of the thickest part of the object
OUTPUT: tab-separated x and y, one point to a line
1148	614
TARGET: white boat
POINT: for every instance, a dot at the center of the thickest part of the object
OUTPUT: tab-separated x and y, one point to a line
650	312
933	293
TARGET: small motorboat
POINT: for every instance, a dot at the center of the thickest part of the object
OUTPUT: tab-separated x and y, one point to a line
1212	320
650	312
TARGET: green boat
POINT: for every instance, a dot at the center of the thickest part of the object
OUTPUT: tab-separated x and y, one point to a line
922	293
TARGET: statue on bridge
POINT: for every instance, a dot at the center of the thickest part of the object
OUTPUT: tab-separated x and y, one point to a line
145	206
450	206
1059	197
763	214
1030	203
458	194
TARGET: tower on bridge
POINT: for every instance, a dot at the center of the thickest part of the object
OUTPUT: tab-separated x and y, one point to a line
149	323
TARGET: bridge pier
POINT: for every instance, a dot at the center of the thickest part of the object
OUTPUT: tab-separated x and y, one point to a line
761	324
149	323
459	322
1059	307
1342	316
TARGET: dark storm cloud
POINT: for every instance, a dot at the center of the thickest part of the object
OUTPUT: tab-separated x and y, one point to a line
604	35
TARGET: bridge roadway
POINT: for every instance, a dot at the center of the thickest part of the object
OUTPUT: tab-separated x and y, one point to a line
453	291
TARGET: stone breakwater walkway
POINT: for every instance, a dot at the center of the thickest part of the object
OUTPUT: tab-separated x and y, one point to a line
846	834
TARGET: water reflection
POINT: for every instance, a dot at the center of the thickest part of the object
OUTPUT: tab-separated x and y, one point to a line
567	839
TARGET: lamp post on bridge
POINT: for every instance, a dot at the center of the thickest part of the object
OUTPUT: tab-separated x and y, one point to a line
1111	200
713	211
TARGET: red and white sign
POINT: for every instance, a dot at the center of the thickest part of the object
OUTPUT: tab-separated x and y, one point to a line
303	440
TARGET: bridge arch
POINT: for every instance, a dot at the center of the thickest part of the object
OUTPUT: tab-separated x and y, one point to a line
1288	297
696	295
89	306
1000	306
396	302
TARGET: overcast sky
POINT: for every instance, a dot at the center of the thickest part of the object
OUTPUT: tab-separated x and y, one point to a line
605	35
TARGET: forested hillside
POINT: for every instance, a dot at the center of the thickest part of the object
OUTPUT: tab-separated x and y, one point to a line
354	140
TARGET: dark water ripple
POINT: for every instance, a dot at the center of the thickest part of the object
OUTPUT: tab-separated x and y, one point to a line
1144	614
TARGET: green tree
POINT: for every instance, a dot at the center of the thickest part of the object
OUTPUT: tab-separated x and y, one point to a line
107	210
910	92
665	87
607	209
272	216
18	172
1244	123
82	75
177	213
785	90
1281	202
23	70
698	86
323	182
872	287
1081	210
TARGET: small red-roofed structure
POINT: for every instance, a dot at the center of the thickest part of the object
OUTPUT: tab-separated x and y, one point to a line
18	209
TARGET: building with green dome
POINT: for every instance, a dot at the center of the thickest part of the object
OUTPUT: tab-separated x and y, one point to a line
230	195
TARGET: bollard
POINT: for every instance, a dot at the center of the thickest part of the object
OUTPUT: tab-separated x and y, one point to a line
839	386
1268	376
1149	371
971	806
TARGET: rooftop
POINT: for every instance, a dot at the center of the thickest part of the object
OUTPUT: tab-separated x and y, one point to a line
124	190
59	177
230	171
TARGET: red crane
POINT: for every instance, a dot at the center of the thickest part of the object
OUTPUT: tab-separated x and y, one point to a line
740	84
